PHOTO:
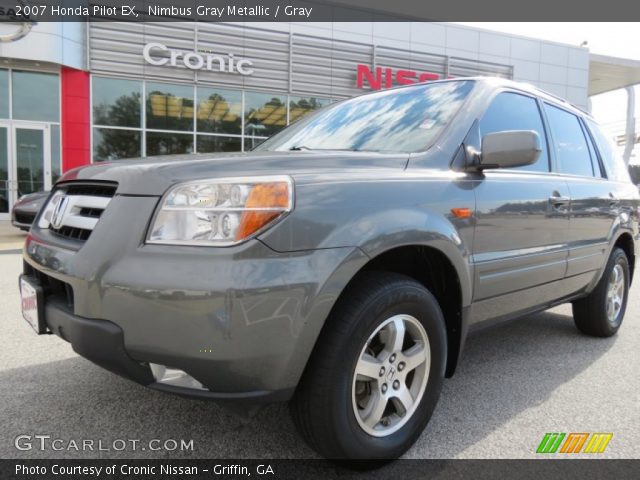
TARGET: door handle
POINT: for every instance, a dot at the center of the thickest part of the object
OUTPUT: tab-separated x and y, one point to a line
613	200
557	201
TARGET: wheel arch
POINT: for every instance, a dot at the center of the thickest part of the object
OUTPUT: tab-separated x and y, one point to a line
626	243
436	271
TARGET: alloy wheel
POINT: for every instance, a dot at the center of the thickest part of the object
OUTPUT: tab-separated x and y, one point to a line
391	375
615	293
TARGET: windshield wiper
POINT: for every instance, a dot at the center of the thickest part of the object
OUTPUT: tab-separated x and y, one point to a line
351	149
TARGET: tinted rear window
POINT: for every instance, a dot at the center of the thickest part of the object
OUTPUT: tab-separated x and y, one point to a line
613	162
572	151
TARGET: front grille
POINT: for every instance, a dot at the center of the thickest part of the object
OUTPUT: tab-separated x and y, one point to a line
83	206
26	218
91	212
74	233
91	190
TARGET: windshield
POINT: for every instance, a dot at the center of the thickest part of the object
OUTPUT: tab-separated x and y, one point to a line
399	120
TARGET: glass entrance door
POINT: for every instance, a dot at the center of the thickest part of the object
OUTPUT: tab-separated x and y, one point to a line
25	162
5	185
31	155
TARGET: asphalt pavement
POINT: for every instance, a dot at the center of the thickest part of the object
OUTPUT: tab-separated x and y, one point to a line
516	382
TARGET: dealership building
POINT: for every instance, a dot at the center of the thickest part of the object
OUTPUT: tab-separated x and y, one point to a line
76	93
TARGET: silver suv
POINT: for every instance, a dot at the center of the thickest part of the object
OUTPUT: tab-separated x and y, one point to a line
341	264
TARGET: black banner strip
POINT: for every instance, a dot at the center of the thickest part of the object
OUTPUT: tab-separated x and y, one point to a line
318	469
313	10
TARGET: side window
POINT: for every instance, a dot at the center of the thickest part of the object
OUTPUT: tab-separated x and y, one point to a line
613	162
512	111
572	151
599	172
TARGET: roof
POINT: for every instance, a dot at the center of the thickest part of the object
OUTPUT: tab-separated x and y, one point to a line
495	82
528	88
611	73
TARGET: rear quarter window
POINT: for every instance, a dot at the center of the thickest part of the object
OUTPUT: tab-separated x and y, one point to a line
612	160
572	151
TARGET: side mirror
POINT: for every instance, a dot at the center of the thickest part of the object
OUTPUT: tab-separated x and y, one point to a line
509	149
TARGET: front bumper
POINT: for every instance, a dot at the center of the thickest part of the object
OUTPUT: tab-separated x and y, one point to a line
240	320
23	218
102	342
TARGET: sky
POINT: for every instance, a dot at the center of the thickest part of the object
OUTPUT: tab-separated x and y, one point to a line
615	39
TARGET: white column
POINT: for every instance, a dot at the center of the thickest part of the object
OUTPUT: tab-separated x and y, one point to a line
630	131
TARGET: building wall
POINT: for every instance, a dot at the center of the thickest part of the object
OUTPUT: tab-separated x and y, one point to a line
61	43
290	61
287	58
557	68
320	58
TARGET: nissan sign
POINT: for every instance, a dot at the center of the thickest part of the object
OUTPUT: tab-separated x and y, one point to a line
158	54
388	77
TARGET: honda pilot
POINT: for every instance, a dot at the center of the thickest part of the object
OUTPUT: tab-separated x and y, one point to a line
342	263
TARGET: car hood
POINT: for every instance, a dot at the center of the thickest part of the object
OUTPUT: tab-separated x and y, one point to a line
31	201
154	176
34	196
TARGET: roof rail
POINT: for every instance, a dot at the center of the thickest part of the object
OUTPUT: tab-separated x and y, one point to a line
563	100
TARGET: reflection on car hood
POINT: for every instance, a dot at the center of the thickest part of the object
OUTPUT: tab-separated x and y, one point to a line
154	175
31	202
30	197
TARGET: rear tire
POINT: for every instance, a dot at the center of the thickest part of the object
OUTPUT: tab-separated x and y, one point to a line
600	314
391	330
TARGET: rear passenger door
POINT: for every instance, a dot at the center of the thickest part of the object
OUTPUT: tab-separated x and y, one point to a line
593	197
520	242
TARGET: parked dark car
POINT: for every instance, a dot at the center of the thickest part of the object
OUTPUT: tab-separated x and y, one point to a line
342	263
26	208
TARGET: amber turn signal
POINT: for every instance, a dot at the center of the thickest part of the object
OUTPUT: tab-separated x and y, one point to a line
461	212
270	200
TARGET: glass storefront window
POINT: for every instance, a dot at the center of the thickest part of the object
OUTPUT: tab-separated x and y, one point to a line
219	111
169	107
4	93
210	144
301	106
163	143
36	96
117	102
264	114
115	144
55	153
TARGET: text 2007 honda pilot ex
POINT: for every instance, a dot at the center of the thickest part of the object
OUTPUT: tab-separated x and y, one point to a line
341	264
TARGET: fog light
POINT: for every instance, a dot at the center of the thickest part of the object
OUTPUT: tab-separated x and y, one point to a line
175	377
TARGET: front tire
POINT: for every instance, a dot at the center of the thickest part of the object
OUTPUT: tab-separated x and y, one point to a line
375	376
600	314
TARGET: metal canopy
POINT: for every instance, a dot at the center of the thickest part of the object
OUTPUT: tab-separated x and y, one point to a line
611	73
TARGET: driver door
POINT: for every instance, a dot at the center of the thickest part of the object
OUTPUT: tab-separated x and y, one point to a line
520	244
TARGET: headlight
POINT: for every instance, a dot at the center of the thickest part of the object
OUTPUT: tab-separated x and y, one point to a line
220	212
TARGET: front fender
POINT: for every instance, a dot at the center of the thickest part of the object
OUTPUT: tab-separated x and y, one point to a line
378	215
